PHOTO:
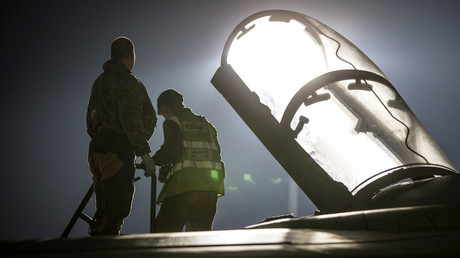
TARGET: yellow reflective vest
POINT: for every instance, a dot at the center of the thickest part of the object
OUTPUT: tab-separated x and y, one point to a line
201	168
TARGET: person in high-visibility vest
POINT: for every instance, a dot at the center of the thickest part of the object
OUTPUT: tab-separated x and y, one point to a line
195	179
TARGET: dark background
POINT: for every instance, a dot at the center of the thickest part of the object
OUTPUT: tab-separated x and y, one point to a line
52	51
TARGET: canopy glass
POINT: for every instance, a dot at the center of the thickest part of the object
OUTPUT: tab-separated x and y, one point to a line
336	102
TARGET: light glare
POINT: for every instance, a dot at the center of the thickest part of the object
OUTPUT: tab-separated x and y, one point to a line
275	59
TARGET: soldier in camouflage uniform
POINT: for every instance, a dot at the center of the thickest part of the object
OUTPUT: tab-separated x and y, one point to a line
120	121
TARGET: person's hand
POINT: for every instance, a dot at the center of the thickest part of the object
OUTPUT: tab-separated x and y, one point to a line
163	173
149	164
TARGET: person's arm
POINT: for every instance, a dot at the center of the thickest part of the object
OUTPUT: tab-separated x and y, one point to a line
91	119
172	147
131	114
150	117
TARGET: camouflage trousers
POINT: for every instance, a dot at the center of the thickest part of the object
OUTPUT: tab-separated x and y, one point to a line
111	161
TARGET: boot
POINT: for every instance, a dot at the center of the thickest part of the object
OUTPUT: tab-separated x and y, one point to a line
107	226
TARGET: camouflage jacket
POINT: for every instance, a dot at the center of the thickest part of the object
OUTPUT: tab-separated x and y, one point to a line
120	102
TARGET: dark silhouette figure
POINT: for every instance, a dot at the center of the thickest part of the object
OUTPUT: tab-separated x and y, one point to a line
120	121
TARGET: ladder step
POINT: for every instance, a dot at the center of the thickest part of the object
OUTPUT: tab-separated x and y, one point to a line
86	218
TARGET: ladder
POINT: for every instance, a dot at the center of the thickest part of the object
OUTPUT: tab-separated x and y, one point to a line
79	214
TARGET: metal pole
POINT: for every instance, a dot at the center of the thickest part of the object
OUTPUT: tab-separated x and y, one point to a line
153	199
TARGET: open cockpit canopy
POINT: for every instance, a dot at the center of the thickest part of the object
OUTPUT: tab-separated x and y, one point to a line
332	100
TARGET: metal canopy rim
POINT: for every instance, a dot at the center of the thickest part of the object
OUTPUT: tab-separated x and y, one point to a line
324	80
241	26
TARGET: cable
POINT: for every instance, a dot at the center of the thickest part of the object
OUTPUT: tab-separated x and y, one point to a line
381	102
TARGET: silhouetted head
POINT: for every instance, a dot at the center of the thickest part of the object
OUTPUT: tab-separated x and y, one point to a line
122	50
169	102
